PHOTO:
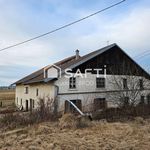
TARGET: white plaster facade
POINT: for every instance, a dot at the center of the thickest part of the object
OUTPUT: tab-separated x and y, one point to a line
85	90
44	90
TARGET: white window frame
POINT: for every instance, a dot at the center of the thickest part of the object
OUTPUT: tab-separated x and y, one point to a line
72	83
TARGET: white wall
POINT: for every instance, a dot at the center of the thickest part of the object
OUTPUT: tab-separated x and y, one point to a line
89	85
84	85
44	90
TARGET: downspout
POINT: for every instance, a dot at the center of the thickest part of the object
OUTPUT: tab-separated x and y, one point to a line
56	102
56	99
81	113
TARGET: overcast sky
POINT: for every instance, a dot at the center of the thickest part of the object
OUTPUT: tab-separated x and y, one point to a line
128	25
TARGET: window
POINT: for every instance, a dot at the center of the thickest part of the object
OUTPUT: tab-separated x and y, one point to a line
33	103
21	102
37	92
72	83
141	83
148	99
1	104
125	86
100	103
126	100
17	100
70	108
100	82
142	100
26	90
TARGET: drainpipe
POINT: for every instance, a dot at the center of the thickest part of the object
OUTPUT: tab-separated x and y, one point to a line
56	102
81	113
56	99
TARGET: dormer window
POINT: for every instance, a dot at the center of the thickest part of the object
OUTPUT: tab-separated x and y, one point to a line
72	83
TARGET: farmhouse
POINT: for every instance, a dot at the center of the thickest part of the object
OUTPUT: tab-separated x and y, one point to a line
112	78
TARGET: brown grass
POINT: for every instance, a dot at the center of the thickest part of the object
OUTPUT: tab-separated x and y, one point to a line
7	94
71	121
7	97
100	135
14	120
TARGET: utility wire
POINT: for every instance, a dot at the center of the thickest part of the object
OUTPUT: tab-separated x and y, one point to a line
62	27
143	54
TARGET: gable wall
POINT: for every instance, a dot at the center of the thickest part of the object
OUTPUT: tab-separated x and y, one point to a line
44	90
117	62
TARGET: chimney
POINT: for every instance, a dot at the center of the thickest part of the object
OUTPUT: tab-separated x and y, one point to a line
77	54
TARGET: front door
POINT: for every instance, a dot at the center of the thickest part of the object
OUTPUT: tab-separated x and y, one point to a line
70	108
27	106
31	106
148	99
100	103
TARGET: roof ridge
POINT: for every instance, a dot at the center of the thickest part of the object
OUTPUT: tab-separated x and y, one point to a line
70	62
89	54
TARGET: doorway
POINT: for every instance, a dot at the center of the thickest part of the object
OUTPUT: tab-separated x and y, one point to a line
70	108
31	104
100	103
27	105
1	104
148	99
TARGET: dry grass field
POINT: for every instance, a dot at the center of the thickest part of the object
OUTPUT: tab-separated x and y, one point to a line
7	97
99	135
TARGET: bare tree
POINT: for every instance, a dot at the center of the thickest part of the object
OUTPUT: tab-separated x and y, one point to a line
128	88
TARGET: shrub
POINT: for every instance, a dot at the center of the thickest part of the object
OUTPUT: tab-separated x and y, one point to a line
44	112
71	121
140	120
83	122
11	120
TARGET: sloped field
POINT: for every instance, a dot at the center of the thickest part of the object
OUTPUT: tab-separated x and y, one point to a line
133	135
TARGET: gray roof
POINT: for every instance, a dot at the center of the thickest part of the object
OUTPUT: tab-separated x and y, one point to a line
70	62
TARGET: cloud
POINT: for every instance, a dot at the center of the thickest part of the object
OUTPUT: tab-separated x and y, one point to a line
132	31
21	20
